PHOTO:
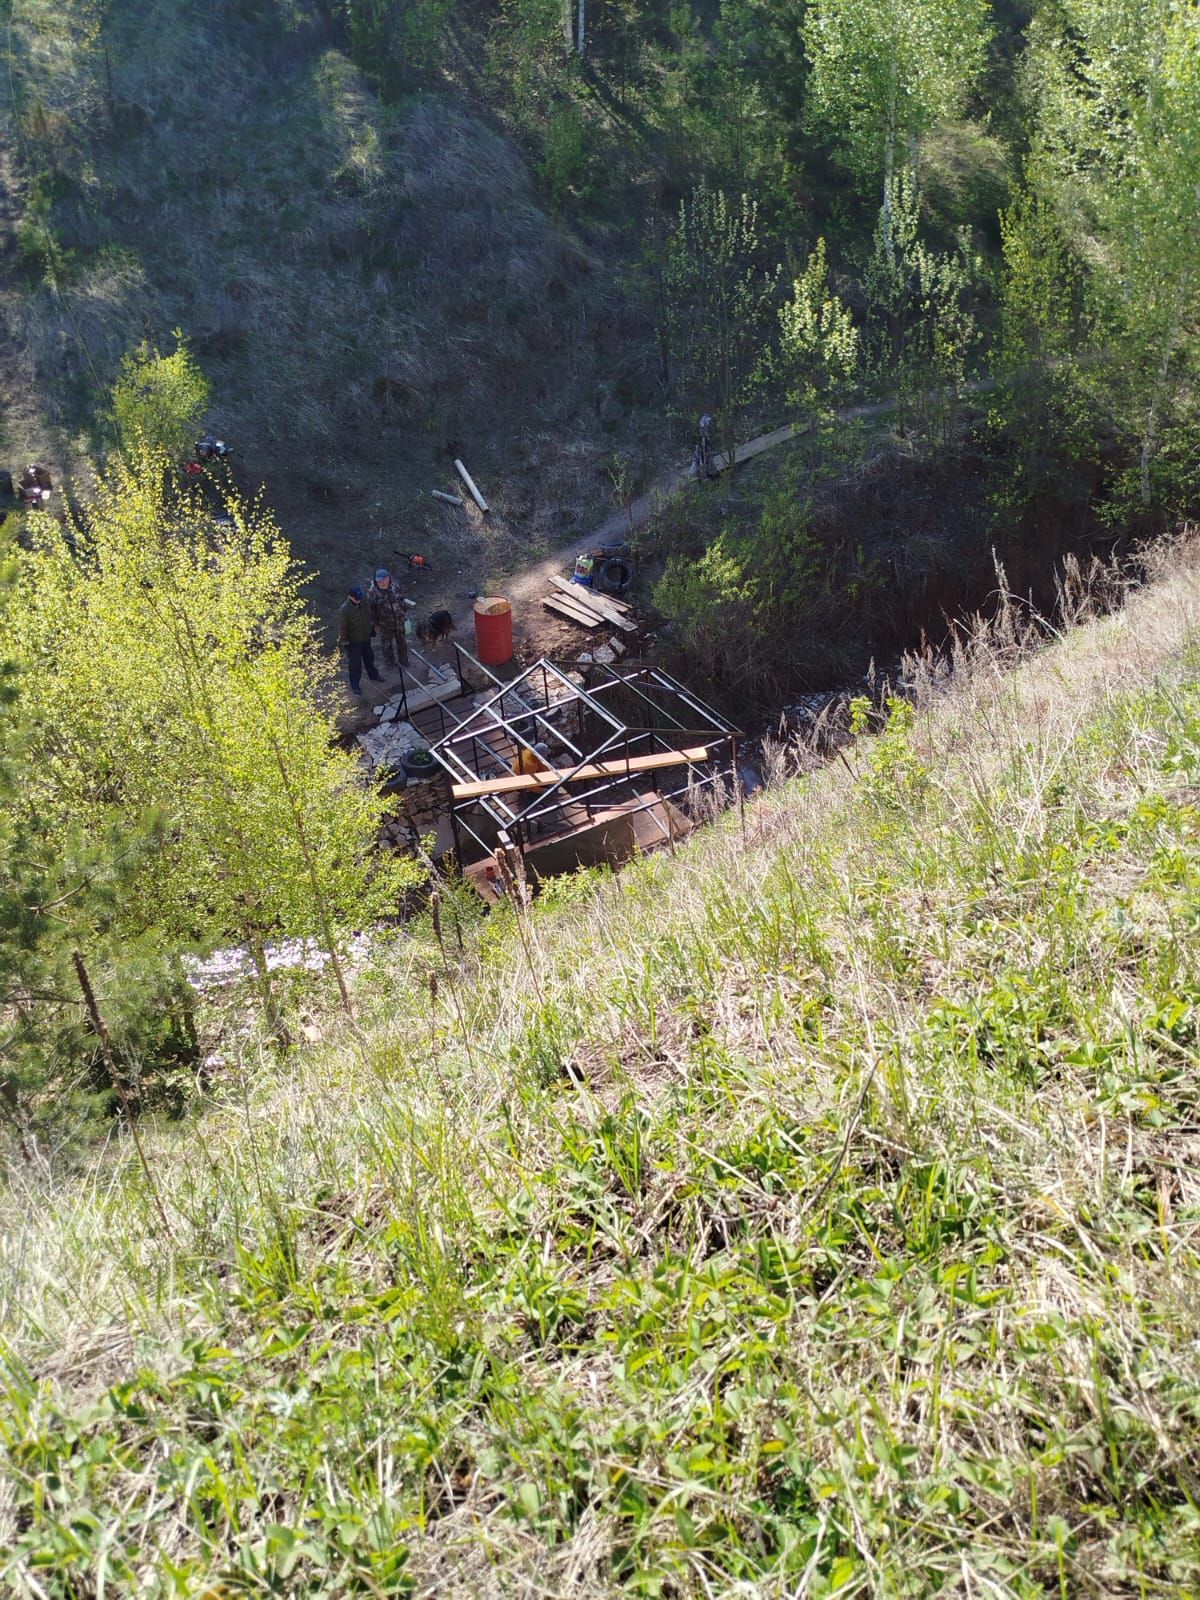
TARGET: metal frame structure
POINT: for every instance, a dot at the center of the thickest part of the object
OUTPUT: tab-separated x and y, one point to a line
437	674
526	711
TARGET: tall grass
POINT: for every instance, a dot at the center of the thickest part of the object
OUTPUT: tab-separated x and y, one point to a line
816	1211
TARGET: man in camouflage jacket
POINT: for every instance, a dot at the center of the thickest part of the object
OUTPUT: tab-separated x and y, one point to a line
387	612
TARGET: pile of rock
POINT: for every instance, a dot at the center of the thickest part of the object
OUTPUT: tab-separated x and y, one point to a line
397	832
605	654
422	803
232	965
388	744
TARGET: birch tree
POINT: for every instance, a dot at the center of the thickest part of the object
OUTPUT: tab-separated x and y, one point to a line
818	342
884	72
61	893
159	400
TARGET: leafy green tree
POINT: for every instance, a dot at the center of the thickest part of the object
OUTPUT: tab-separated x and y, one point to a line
884	72
1117	87
719	297
921	324
396	42
159	400
818	342
1043	406
175	666
61	895
743	598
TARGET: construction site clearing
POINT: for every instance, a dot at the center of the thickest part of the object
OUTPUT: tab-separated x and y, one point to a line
559	765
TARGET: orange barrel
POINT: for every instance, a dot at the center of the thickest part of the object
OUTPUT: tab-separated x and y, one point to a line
493	630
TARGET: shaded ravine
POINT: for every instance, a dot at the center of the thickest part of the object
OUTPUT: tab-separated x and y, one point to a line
528	584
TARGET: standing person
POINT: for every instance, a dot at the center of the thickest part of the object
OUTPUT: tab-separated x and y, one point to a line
354	631
703	461
386	605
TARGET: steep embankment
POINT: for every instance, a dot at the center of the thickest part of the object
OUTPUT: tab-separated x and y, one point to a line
372	289
817	1210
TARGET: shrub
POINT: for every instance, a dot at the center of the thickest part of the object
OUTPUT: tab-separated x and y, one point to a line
747	602
159	401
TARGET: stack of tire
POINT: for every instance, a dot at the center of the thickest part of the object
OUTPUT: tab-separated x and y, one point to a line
613	570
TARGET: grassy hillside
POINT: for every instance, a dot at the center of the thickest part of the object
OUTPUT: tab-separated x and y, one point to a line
816	1211
373	288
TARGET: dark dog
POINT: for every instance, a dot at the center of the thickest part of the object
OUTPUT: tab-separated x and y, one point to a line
437	628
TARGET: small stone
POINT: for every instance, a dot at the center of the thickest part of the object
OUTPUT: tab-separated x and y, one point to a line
604	656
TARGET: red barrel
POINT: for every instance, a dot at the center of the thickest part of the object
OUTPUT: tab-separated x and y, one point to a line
493	630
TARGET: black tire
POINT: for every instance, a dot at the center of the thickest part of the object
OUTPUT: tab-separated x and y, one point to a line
616	575
419	764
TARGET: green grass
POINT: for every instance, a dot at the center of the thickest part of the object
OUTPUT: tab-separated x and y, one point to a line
814	1212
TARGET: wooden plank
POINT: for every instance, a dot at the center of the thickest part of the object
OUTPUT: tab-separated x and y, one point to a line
573	613
621	605
596	602
575	605
530	781
470	483
564	608
602	604
476	876
578	594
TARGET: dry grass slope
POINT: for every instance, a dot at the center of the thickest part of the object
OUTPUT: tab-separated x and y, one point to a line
373	290
815	1212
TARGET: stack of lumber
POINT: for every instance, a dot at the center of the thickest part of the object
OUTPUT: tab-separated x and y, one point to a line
588	608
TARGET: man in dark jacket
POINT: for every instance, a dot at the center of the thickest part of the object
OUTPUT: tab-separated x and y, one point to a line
354	631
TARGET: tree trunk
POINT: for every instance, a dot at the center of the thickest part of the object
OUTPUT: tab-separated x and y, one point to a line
118	1083
580	41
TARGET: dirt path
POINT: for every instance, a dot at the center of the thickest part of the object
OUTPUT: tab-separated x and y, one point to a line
526	588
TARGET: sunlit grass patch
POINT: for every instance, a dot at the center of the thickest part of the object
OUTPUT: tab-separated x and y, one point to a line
814	1212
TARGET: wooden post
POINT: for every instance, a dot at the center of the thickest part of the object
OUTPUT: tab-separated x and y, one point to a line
741	793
